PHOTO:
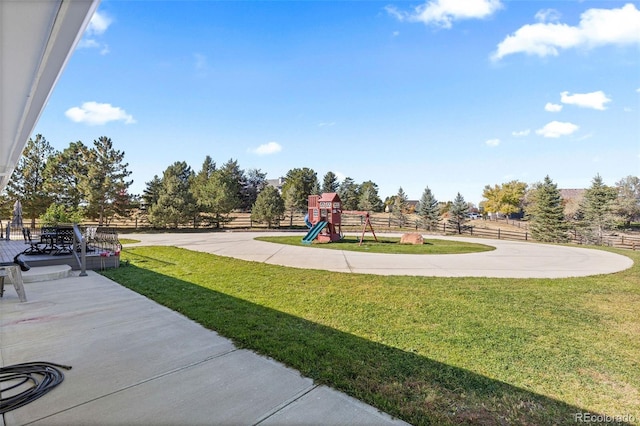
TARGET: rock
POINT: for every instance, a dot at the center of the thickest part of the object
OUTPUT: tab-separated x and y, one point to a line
412	238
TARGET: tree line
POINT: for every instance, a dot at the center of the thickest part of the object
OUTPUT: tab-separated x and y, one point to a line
69	185
596	211
82	182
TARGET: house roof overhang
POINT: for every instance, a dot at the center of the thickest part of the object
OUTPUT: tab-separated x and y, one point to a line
37	38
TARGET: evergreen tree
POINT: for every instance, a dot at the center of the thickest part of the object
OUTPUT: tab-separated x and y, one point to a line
105	178
28	178
269	206
198	184
298	185
348	193
233	176
369	199
151	193
400	208
175	204
596	210
255	182
428	210
64	174
458	213
221	195
546	213
290	203
330	182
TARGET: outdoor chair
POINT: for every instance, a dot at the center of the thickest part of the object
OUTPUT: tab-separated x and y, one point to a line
34	246
64	241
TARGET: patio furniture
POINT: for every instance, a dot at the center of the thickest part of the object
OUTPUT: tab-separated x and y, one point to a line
34	246
64	240
12	271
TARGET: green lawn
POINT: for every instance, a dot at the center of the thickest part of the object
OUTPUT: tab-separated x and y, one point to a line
428	350
387	245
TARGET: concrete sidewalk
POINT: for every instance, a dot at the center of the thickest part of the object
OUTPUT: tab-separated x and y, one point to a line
138	363
510	259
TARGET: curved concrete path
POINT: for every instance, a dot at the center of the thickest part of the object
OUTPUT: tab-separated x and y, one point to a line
510	259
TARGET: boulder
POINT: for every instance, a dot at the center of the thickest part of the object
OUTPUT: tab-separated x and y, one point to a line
412	238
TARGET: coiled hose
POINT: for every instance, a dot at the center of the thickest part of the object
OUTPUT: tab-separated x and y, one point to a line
28	382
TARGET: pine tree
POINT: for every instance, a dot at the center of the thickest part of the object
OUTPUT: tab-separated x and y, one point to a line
330	182
369	200
400	208
151	193
269	206
28	178
255	182
458	213
64	174
175	204
348	193
105	179
428	210
546	213
596	210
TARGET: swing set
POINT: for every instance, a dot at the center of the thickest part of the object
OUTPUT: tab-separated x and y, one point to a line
366	222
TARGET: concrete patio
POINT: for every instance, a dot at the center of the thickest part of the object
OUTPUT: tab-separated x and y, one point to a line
138	363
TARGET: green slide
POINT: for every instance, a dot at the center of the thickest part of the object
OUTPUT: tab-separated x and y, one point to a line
313	232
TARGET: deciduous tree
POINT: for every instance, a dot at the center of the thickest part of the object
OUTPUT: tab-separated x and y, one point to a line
627	203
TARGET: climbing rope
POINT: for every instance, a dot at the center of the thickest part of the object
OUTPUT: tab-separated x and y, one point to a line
28	382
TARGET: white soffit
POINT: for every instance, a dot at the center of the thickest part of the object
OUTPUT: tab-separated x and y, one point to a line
37	37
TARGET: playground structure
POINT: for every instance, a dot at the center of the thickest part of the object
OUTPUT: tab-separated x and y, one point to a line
324	218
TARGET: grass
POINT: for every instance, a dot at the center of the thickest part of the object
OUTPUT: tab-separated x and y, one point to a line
387	245
427	350
128	241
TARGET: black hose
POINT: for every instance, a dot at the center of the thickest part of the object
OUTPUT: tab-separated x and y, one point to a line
34	378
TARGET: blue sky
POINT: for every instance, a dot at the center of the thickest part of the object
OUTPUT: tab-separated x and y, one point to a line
450	94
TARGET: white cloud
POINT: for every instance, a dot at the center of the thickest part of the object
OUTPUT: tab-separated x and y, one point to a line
595	100
552	107
94	113
442	13
267	149
547	15
521	133
597	27
98	25
493	142
555	129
